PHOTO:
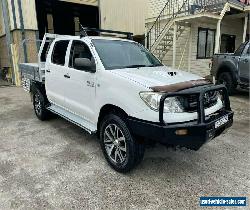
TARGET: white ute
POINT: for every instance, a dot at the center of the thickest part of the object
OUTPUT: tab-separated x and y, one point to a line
117	89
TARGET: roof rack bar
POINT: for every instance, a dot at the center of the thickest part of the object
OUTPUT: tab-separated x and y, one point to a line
84	30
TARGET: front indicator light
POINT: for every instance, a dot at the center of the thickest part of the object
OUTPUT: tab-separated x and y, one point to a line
181	132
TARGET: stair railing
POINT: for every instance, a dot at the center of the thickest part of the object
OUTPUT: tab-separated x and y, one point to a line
171	9
157	24
208	5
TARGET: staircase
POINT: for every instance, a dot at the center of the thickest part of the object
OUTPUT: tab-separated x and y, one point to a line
165	43
160	36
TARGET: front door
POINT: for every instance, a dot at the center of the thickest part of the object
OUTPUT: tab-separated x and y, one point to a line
55	73
80	87
244	65
227	43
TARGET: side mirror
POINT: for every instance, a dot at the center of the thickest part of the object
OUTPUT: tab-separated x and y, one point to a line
84	64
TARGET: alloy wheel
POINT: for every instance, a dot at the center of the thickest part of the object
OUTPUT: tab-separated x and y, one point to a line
37	104
115	143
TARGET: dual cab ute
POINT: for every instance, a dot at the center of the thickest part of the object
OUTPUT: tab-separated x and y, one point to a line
233	69
117	89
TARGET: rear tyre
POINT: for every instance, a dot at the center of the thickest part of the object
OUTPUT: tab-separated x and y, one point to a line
227	79
119	147
39	105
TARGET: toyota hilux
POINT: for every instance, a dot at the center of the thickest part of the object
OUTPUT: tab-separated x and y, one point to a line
117	89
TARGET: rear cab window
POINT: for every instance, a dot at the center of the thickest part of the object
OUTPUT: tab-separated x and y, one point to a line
59	52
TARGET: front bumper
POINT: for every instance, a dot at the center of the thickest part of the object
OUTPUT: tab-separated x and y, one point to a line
197	132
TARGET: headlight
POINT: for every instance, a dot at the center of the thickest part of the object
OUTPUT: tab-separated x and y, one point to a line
152	99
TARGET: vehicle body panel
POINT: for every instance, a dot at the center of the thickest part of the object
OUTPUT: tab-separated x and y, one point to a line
237	64
54	82
244	65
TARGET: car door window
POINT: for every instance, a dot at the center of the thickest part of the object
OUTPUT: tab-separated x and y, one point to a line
79	50
59	52
248	51
239	51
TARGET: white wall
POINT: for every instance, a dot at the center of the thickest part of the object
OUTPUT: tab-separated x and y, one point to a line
29	15
124	15
182	49
233	27
156	6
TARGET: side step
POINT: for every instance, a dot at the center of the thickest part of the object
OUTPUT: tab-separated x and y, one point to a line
73	118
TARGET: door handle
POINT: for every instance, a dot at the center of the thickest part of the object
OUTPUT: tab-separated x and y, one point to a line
66	76
246	61
47	70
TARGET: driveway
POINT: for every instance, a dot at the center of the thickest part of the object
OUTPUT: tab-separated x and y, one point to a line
56	165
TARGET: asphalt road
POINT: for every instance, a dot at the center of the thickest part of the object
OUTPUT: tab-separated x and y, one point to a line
56	165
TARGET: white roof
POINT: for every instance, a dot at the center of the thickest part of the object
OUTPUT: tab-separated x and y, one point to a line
106	38
89	38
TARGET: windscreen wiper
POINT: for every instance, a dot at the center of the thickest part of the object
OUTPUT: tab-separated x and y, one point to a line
135	66
138	66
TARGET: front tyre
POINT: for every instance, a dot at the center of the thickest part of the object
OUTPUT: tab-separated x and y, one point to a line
119	147
39	105
226	79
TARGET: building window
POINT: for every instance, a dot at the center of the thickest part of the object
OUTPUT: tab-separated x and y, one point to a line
206	40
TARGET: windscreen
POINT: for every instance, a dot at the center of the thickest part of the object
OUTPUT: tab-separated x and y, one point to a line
239	51
118	54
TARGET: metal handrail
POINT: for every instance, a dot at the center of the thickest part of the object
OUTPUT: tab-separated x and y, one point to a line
172	9
159	15
170	6
209	5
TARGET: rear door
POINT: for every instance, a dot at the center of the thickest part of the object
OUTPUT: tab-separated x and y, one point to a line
244	65
56	73
80	87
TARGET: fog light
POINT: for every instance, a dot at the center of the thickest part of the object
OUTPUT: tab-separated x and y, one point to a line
181	132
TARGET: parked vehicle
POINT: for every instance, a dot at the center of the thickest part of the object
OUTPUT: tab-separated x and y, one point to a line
119	90
233	69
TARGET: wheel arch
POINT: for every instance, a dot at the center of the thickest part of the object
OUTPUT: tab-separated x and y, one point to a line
40	87
109	108
227	68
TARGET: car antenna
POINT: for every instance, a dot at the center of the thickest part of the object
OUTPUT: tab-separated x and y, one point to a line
83	31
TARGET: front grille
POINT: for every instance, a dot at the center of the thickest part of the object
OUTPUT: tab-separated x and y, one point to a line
190	102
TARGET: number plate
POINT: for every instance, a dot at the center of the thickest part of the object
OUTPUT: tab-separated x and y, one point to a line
221	121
